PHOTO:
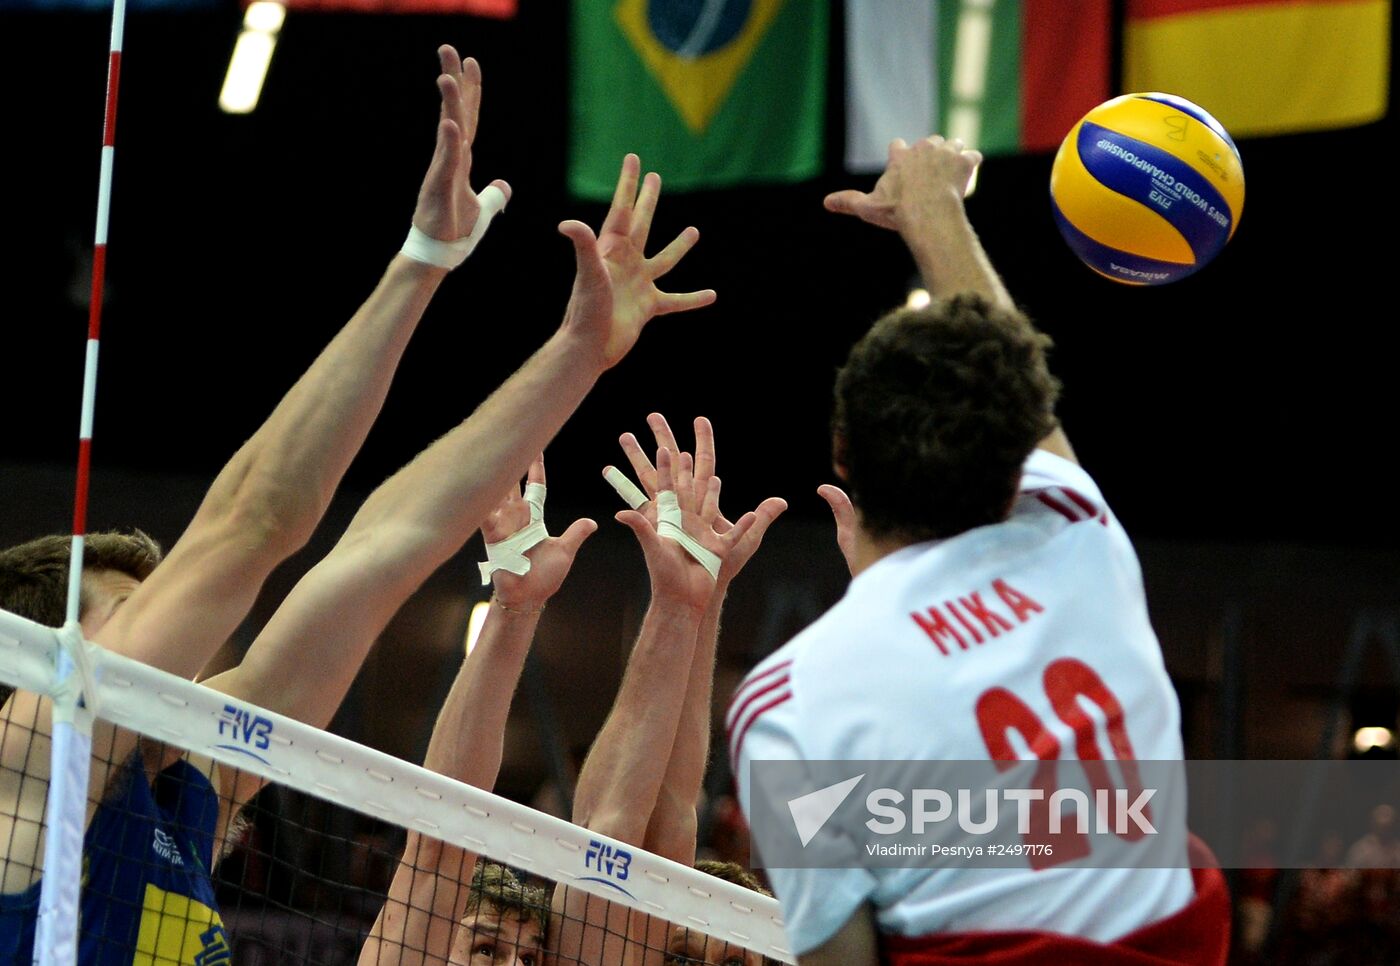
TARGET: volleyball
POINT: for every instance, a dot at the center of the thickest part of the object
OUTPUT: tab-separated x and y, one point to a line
1147	188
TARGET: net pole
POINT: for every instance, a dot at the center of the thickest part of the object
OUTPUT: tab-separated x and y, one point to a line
56	939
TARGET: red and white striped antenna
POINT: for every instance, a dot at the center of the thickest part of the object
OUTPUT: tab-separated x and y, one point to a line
99	274
56	938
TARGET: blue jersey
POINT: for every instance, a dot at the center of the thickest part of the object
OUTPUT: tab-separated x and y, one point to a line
147	893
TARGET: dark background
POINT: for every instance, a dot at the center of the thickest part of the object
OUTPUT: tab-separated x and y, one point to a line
1250	402
1240	422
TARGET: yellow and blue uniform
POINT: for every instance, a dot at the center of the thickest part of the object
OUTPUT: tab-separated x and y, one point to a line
148	898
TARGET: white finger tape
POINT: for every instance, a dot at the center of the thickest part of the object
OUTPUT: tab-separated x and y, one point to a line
509	554
668	526
449	254
630	493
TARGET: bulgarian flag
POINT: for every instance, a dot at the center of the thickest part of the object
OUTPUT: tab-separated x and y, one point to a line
1264	66
1003	75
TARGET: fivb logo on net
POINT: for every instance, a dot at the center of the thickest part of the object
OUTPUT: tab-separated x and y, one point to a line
250	731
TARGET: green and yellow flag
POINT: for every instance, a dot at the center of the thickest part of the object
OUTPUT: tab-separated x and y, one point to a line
709	94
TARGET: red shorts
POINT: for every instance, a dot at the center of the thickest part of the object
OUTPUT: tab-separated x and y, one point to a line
1198	935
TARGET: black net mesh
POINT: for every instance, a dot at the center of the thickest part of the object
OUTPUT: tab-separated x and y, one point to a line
187	861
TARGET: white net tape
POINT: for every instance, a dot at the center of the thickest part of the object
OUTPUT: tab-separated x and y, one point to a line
289	753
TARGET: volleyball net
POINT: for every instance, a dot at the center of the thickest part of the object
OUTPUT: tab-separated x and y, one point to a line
299	873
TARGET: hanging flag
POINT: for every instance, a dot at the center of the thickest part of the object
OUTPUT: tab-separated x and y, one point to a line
709	94
105	6
482	8
1264	66
1003	75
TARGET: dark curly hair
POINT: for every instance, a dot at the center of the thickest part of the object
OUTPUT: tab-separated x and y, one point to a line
936	410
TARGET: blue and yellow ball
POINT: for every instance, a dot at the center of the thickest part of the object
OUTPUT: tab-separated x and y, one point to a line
1147	188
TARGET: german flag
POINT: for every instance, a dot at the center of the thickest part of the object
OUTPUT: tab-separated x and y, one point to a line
1264	66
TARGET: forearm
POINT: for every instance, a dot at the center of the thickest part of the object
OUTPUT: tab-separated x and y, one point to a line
469	735
672	827
951	260
268	499
426	900
621	779
441	497
429	891
409	527
947	251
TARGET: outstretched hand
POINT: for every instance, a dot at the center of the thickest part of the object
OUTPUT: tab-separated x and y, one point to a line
550	560
615	291
703	470
675	574
916	178
448	208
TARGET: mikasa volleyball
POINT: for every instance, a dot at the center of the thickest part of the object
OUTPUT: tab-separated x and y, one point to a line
1147	188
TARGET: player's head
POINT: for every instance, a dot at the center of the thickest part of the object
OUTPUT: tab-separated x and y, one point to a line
506	921
34	576
690	946
936	409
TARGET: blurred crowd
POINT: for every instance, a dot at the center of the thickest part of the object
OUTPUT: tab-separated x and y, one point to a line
1346	913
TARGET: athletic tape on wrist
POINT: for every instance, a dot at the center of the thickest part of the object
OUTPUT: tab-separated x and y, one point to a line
450	254
668	526
509	554
631	494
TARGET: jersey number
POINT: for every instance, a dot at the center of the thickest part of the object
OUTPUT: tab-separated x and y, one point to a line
999	712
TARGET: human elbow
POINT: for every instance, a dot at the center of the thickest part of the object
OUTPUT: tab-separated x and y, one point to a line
275	519
673	828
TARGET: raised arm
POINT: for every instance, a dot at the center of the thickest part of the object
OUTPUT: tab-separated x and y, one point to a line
266	502
429	893
672	826
920	195
623	775
306	657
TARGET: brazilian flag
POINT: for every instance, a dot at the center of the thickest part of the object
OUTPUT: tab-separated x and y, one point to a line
708	92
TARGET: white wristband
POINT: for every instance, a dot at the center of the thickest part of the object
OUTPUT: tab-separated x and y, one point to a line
450	254
509	554
668	526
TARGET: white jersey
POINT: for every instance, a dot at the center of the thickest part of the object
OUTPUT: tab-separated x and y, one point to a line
927	657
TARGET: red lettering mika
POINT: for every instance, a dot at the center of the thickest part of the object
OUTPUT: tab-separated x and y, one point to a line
936	626
952	609
991	620
1021	605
